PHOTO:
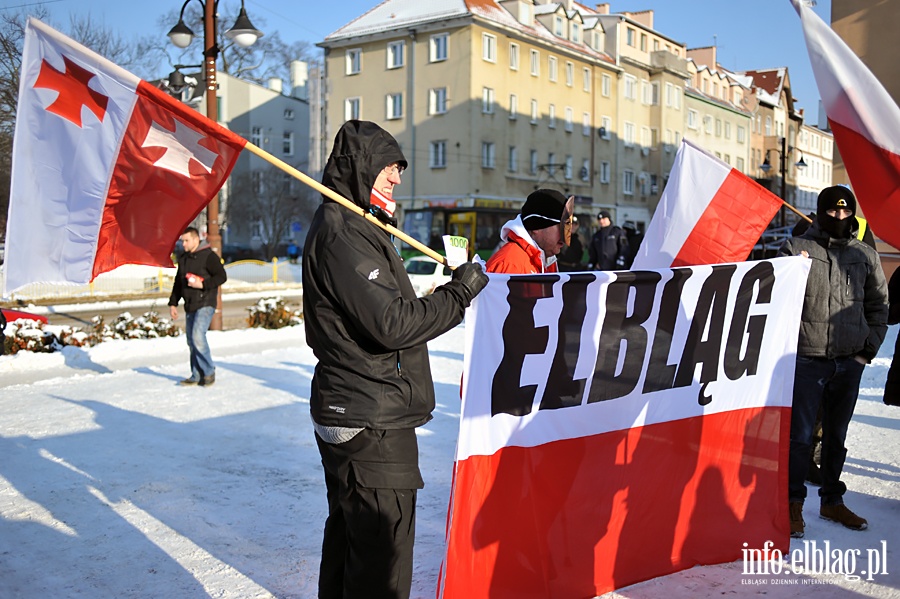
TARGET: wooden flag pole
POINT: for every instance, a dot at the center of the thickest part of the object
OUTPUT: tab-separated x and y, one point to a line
797	212
346	203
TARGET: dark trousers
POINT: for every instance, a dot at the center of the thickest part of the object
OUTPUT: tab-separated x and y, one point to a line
832	384
371	481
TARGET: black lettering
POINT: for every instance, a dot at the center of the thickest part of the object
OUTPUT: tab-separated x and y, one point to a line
735	367
562	389
711	307
660	375
520	338
618	327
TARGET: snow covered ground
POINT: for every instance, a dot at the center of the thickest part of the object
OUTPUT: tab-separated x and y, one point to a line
115	482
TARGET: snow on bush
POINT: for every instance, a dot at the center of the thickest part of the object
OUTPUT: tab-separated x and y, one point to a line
273	313
34	336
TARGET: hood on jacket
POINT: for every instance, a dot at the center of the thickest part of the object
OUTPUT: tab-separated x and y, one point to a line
517	228
361	150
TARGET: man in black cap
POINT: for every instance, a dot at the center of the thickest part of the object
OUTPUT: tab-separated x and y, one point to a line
609	246
372	385
532	240
843	323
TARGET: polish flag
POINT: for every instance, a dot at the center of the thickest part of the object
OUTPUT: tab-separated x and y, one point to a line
107	170
709	213
625	426
865	121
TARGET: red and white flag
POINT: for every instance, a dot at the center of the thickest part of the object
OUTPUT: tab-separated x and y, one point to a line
709	213
107	170
622	426
865	121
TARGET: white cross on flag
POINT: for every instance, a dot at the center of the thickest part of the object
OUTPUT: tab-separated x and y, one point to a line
107	170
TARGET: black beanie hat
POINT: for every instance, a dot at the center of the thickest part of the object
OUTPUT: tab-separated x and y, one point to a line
543	208
837	196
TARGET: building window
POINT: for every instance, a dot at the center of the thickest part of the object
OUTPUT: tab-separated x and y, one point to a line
437	156
394	106
570	117
718	127
288	114
488	157
570	74
514	56
395	54
586	79
534	112
558	26
768	126
628	182
513	158
741	135
489	47
351	109
256	136
629	36
605	86
629	134
727	130
606	125
586	124
692	119
631	87
487	100
643	42
437	100
535	63
585	169
604	172
576	32
551	64
437	48
551	115
645	137
533	162
707	124
513	106
353	61
673	96
287	143
568	171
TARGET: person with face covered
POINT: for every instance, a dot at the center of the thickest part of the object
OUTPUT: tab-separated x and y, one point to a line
531	242
372	384
843	323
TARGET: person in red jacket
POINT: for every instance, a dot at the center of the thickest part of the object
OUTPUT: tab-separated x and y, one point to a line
531	241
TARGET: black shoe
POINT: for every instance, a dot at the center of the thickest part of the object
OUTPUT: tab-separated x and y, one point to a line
189	382
814	475
208	380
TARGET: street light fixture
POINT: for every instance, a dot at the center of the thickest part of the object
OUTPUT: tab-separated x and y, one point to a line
766	166
244	34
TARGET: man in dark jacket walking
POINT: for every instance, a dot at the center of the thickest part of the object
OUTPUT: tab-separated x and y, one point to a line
200	274
609	246
843	323
372	385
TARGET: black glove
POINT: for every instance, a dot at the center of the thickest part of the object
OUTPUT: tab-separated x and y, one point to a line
471	277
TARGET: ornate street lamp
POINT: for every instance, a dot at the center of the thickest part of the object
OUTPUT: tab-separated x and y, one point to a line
244	34
766	166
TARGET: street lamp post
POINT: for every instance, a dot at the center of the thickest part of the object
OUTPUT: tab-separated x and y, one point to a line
766	167
244	34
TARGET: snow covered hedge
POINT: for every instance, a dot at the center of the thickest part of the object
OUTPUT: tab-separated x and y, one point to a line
273	313
30	335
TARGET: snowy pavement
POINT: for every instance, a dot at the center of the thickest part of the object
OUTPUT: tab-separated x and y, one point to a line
115	482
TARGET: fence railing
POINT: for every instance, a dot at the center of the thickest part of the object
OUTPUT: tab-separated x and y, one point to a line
137	280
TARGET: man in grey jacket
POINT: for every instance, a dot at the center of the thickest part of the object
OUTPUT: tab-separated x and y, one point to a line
843	323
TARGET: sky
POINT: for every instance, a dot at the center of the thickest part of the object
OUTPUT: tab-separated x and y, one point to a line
759	35
116	482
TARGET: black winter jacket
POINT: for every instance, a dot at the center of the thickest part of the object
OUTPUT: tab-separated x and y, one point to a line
608	249
204	263
362	317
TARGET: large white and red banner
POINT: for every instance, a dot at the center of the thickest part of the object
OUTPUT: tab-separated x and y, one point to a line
107	170
865	121
709	213
621	426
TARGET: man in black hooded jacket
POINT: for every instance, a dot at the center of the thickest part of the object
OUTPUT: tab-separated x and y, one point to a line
372	385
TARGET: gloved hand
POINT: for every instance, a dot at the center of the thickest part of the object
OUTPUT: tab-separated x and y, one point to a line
472	278
620	261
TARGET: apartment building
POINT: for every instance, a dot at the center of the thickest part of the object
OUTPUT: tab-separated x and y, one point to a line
816	148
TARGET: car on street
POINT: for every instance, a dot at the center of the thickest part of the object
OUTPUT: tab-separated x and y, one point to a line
426	274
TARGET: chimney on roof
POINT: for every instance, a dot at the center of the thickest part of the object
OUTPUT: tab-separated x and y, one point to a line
299	79
275	84
603	9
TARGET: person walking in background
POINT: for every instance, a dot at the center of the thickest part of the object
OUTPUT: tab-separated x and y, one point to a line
200	274
531	242
843	323
372	385
609	245
892	384
571	258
